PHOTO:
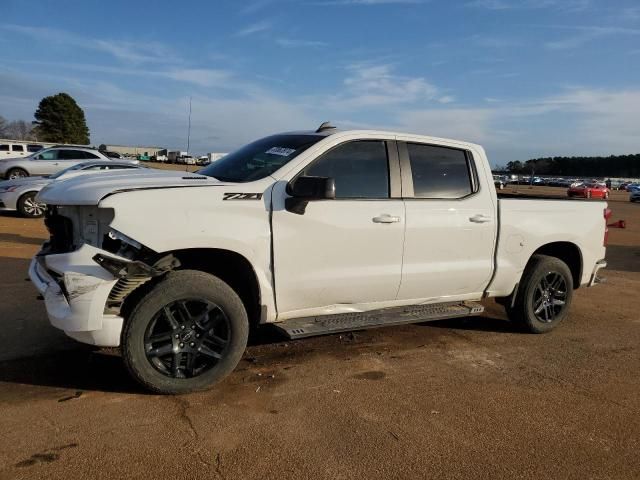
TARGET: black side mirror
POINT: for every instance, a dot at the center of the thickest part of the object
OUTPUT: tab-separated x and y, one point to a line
305	189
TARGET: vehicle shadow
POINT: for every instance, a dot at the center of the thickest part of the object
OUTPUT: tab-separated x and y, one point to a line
80	369
15	238
479	324
624	258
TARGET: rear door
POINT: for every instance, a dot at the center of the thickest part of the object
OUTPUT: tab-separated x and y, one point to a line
70	157
451	224
345	253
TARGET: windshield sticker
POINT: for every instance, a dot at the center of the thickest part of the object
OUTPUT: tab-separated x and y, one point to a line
282	151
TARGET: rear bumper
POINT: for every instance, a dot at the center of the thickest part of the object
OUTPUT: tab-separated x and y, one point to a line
595	279
75	290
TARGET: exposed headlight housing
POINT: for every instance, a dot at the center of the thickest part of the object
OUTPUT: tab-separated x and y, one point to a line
116	235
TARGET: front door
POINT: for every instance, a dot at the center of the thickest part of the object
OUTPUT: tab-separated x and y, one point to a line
345	253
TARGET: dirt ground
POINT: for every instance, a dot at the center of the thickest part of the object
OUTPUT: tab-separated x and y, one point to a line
469	398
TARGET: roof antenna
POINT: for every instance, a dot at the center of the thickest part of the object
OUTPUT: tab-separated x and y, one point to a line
325	126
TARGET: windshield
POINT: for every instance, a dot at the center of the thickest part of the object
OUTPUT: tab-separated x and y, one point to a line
62	172
258	159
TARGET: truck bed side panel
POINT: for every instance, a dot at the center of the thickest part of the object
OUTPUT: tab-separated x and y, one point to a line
526	225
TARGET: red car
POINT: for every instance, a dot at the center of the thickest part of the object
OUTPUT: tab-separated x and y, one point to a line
589	190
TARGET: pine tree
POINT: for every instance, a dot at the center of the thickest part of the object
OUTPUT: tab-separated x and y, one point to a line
59	119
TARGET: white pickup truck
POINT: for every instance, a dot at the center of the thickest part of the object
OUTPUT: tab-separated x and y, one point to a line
316	232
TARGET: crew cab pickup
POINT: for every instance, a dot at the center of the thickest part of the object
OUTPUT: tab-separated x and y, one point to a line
314	231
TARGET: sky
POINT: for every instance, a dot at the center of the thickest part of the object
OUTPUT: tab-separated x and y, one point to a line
524	78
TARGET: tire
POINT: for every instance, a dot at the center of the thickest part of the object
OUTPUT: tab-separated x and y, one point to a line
185	350
16	173
28	207
530	297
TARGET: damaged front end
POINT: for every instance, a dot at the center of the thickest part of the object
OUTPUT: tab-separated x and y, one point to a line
86	271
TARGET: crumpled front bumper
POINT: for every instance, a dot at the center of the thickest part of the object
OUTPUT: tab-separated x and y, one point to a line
75	290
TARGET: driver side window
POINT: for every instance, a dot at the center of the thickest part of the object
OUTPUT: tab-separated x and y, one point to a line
50	155
360	169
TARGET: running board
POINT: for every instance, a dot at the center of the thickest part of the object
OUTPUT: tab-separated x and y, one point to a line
344	322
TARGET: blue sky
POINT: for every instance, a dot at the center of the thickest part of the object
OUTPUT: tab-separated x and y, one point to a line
525	78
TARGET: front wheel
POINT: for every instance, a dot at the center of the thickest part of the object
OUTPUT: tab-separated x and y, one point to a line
544	295
28	207
186	334
17	173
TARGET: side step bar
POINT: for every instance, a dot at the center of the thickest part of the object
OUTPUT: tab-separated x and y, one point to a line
344	322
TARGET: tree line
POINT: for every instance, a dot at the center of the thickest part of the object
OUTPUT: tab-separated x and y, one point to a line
58	119
612	166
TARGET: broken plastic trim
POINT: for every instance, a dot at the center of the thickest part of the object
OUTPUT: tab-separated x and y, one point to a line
130	268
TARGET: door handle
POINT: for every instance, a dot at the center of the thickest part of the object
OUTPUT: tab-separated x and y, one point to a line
480	218
386	218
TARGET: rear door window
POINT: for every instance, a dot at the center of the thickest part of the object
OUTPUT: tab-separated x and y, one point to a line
71	155
4	148
360	169
17	148
439	172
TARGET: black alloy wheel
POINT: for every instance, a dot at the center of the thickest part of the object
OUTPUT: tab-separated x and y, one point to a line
186	338
549	297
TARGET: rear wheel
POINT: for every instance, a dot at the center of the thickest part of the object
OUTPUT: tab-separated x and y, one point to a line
17	173
186	334
544	295
28	207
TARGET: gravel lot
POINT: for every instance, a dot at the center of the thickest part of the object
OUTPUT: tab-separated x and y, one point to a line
469	398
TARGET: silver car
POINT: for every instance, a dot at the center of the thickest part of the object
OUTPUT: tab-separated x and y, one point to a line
50	161
19	194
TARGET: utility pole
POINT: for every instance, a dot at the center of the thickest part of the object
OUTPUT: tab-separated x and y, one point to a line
186	167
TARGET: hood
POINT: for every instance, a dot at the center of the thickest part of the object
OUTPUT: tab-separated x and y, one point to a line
16	182
90	189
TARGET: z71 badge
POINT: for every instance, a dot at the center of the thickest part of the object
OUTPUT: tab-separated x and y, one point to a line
242	196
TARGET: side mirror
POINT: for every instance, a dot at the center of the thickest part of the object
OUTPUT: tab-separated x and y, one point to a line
305	189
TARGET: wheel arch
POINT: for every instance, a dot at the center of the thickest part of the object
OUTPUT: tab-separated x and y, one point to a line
231	267
568	252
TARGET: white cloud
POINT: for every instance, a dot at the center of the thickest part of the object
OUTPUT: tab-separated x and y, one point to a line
568	5
369	85
298	43
369	2
132	52
585	34
254	28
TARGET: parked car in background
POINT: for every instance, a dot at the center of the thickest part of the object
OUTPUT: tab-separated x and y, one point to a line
112	154
634	194
499	181
203	160
17	150
50	161
588	190
19	194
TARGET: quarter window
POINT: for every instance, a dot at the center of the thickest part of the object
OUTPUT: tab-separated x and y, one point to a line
71	155
439	172
360	169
